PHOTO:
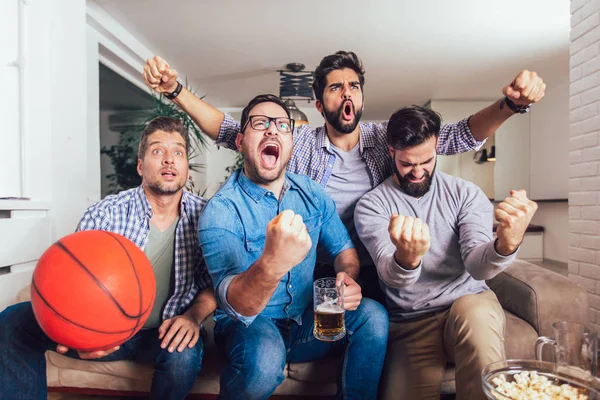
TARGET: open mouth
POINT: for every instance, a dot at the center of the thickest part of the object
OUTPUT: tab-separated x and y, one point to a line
348	111
269	154
414	179
168	173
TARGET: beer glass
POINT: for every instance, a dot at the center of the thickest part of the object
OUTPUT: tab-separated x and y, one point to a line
329	310
574	346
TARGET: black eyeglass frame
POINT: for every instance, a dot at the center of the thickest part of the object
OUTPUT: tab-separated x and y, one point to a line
271	119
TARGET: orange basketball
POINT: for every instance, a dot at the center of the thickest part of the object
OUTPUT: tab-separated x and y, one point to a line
92	290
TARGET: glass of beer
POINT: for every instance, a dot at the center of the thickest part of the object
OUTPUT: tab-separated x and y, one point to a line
329	310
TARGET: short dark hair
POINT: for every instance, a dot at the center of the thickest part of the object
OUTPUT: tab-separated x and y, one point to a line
412	126
166	124
341	59
261	98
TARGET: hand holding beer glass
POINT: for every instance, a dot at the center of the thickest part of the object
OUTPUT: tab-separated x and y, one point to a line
329	310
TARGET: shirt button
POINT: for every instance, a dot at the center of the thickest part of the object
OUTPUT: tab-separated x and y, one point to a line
290	286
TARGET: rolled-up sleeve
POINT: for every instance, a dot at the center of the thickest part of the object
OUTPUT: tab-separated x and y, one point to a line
457	138
228	133
227	307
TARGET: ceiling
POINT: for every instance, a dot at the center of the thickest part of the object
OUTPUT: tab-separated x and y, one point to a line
412	51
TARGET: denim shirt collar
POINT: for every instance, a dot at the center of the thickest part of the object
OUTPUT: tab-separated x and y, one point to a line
256	192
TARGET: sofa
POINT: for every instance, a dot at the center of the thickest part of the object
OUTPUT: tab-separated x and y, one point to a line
533	298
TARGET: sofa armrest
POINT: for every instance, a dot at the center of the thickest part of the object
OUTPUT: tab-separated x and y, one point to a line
539	296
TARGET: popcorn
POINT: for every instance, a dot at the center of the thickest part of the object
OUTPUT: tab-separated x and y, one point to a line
528	385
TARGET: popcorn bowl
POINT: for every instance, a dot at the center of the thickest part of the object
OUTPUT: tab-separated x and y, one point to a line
532	380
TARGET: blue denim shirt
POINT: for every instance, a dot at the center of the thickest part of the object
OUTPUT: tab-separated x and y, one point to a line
232	232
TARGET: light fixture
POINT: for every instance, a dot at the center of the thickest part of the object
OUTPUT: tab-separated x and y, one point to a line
296	84
295	113
482	156
492	156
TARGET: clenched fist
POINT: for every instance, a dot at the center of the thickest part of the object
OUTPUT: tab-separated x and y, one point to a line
525	89
159	76
287	242
411	238
513	215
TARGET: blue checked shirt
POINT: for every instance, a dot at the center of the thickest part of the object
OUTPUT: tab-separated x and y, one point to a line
313	156
128	213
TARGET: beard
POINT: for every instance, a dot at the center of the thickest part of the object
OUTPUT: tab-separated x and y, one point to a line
162	189
334	117
413	189
254	174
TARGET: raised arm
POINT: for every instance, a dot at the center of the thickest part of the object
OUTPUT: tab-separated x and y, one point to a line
527	88
159	76
244	292
466	135
484	257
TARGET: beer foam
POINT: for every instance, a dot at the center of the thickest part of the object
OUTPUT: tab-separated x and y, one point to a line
330	308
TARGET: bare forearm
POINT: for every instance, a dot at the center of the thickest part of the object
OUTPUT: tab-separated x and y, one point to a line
207	117
486	121
250	291
347	261
203	306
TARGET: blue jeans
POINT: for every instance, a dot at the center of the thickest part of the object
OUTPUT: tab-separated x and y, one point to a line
23	365
257	354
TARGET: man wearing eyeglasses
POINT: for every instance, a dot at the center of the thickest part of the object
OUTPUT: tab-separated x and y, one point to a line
346	157
259	235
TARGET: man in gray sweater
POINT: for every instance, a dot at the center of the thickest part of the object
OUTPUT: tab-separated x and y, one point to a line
430	236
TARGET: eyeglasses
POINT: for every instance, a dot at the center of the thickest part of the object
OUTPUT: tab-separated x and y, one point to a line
262	123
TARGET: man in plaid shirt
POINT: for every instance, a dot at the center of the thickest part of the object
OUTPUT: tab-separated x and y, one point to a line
348	158
161	218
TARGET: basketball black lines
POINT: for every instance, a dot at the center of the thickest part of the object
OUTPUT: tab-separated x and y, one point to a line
137	278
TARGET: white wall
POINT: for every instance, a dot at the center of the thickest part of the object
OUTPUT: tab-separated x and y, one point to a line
462	165
54	166
68	115
554	217
549	140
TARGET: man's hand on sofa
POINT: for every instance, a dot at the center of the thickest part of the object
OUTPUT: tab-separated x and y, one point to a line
179	332
514	215
85	355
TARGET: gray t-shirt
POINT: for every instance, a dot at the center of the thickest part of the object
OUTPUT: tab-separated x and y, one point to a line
349	181
160	250
461	255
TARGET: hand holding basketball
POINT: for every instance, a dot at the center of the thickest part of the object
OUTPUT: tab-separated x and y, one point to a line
91	291
88	355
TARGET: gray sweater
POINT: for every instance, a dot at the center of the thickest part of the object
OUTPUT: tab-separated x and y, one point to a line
461	255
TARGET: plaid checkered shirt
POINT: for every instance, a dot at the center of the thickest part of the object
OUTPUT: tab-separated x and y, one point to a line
313	156
128	213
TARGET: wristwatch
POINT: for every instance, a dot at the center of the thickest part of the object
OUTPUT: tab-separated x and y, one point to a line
515	108
175	92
